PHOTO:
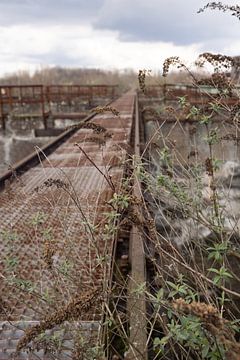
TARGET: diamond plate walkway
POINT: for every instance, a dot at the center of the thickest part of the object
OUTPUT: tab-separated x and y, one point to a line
53	240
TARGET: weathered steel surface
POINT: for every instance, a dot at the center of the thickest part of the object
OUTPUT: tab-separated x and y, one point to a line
53	241
137	303
11	333
198	95
69	92
38	100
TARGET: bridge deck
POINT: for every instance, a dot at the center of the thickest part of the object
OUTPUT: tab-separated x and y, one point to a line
53	240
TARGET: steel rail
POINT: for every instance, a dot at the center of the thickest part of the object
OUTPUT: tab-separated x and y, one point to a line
137	302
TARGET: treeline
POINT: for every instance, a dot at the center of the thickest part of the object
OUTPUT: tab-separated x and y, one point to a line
58	75
70	76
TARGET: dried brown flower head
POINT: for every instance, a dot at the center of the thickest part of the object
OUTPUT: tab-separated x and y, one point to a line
235	114
76	308
87	125
142	79
60	184
101	110
220	82
234	9
213	323
171	61
48	253
209	166
218	61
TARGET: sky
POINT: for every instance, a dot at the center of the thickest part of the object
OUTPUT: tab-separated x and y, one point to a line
110	34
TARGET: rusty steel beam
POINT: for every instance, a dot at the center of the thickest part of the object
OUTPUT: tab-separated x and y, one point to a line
2	117
12	95
69	92
201	95
137	302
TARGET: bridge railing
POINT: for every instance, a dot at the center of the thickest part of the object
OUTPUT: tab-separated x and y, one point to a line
195	94
17	97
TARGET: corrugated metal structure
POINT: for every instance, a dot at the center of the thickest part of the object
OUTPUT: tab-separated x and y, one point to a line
54	242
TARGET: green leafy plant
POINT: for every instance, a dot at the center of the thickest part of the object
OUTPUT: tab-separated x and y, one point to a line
222	275
38	219
120	201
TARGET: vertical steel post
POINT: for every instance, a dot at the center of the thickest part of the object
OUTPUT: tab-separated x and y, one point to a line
2	109
42	102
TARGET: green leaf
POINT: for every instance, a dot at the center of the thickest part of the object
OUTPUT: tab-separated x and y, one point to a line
160	294
214	270
182	100
205	119
205	350
174	286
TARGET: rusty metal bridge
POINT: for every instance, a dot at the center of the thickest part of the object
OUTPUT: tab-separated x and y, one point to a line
56	239
62	192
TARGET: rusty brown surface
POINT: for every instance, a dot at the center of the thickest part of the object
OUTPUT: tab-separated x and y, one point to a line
137	304
194	94
68	92
11	333
14	98
36	215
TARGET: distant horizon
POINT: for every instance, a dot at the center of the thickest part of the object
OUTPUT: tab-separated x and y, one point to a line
125	71
51	67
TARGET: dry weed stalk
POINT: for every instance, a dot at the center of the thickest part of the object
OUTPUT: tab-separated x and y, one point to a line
142	79
173	60
203	263
103	109
218	61
98	129
48	253
74	310
212	321
220	82
106	177
60	184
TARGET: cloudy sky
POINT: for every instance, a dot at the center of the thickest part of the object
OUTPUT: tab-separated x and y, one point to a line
110	33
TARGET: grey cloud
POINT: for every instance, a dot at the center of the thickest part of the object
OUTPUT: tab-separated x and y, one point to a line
60	54
58	57
63	12
174	21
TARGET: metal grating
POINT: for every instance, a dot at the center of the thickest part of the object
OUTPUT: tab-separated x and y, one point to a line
35	217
